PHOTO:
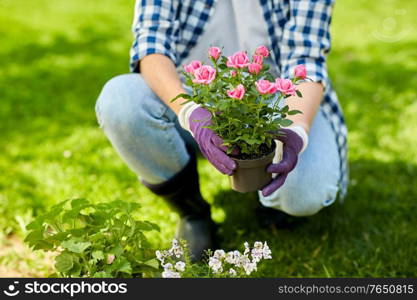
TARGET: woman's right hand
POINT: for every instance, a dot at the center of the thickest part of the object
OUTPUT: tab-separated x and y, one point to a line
210	143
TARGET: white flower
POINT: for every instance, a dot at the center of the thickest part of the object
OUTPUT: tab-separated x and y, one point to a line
242	261
176	249
232	256
257	254
258	245
219	254
180	266
159	256
249	268
247	249
215	265
266	251
170	274
232	272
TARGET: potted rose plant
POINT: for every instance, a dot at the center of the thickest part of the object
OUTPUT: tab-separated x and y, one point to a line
247	109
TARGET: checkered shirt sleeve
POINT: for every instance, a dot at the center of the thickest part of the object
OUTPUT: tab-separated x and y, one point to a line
152	28
306	38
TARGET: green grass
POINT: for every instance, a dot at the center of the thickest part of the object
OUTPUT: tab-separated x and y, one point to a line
56	55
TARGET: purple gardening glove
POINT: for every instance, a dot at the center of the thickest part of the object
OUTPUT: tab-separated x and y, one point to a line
292	145
209	142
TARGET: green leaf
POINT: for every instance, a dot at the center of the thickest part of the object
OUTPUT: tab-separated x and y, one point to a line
75	270
183	95
96	237
74	246
121	264
37	241
116	250
57	238
285	109
101	274
294	112
98	254
286	122
152	263
79	202
252	141
299	93
35	224
125	267
64	262
88	211
146	226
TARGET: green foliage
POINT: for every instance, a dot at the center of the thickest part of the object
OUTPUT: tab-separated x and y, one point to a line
94	240
244	124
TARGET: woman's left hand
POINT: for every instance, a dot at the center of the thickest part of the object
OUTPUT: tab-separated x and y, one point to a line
292	146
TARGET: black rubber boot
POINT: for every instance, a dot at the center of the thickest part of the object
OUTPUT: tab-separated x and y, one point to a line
182	192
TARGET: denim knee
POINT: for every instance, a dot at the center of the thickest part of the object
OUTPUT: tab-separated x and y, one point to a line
127	99
302	195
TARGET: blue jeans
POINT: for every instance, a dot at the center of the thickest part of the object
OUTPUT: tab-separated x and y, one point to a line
146	134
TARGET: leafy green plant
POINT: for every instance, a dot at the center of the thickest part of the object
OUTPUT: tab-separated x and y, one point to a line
243	97
95	240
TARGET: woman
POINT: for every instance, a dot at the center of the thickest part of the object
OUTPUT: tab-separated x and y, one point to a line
137	116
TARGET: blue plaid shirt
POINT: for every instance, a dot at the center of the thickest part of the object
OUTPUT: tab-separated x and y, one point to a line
298	34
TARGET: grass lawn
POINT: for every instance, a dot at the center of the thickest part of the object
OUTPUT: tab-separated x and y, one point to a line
56	55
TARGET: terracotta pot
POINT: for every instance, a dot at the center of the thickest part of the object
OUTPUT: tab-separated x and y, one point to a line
250	174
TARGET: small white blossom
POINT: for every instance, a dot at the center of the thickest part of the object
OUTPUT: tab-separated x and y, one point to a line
180	266
232	256
257	252
232	272
169	271
176	249
215	265
249	268
266	251
159	256
242	261
219	254
258	245
247	249
257	255
170	274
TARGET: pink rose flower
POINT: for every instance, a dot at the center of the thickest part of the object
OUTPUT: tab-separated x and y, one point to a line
233	73
285	86
262	51
237	93
204	75
192	66
300	72
254	68
265	87
258	59
214	52
238	60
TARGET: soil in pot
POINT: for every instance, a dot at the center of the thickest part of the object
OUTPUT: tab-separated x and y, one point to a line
250	174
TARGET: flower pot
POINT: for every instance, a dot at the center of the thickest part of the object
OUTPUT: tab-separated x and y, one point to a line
250	174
